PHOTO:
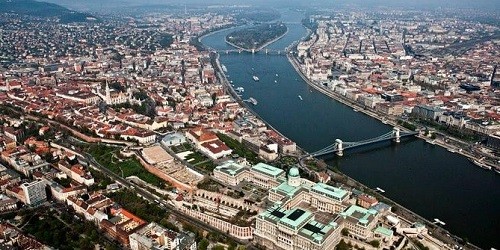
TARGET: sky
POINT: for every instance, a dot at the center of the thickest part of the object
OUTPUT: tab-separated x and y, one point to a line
97	4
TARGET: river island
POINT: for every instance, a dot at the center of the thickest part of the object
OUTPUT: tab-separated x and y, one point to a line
256	37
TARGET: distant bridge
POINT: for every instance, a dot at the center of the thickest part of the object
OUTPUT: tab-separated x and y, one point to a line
282	52
339	146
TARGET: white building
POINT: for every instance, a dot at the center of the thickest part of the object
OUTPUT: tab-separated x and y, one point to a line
231	173
34	192
360	221
293	224
153	236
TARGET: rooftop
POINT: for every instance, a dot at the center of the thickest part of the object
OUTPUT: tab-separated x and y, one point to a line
295	218
317	231
332	192
384	231
363	216
231	168
286	189
267	170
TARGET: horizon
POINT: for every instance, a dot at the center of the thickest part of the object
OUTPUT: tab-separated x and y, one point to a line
96	5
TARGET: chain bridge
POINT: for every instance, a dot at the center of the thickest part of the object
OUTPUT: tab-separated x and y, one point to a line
339	146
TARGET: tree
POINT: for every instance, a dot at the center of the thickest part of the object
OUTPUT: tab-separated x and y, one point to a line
375	243
342	246
345	232
203	245
218	247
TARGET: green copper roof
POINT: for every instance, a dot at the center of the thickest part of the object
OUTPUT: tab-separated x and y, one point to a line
267	170
326	190
384	231
294	172
362	215
231	168
295	218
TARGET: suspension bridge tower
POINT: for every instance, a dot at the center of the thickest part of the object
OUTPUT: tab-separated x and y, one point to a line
396	133
340	149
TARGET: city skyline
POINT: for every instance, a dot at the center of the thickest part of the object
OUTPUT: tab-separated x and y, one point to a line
221	125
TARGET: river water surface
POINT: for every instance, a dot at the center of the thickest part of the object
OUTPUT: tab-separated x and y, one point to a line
425	178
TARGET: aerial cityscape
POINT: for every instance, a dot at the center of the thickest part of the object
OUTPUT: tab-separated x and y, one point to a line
228	124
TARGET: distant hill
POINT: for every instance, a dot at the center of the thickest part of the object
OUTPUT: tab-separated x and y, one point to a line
43	9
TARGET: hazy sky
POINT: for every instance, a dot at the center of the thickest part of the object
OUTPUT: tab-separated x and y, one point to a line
96	4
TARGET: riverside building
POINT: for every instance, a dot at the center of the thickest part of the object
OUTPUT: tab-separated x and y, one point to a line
303	215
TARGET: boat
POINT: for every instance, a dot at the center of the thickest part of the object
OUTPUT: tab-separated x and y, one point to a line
497	170
224	68
255	78
240	89
451	150
253	101
438	221
380	190
276	81
300	97
355	110
481	164
276	74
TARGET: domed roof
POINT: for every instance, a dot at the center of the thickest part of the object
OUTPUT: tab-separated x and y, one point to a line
293	172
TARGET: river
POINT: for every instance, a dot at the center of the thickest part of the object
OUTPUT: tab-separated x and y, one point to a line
425	178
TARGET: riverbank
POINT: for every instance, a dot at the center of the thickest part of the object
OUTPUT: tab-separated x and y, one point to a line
385	119
408	214
403	212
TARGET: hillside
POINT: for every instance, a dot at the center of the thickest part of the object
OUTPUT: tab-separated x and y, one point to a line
42	9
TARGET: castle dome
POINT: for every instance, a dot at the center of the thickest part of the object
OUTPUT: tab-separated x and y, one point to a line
293	172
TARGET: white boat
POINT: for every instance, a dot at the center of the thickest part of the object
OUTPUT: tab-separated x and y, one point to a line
224	68
276	74
380	190
240	89
481	164
253	101
438	221
276	81
300	97
255	78
355	110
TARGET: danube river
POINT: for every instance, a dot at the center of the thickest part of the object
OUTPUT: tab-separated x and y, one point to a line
425	178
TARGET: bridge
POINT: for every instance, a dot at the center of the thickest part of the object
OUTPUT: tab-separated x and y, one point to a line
253	51
339	146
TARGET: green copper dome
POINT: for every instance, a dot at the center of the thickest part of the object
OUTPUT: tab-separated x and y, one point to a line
294	172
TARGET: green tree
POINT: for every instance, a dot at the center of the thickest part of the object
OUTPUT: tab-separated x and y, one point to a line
345	232
218	247
375	243
342	246
203	245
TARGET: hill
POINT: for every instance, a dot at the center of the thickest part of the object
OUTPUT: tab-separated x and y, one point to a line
44	10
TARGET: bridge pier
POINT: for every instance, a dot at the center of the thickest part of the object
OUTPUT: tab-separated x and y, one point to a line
340	149
397	135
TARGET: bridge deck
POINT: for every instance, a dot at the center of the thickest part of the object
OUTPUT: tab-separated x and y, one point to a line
349	145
